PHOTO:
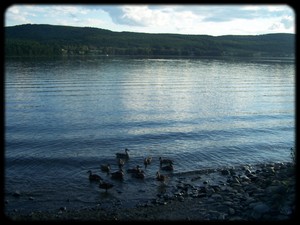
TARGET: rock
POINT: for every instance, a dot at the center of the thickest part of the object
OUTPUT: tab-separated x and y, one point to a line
180	198
244	178
231	211
217	197
232	172
17	194
63	208
202	190
225	172
228	203
31	198
162	203
286	210
252	177
195	178
195	195
259	209
201	195
236	218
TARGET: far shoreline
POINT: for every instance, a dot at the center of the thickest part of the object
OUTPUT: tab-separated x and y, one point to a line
225	57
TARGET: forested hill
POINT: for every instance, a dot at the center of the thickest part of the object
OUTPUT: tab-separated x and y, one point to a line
38	40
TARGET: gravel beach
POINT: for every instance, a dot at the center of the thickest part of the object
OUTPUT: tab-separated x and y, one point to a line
264	192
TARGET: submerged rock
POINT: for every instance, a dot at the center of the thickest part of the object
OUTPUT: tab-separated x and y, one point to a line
17	194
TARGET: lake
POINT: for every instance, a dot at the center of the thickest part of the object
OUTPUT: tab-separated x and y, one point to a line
65	116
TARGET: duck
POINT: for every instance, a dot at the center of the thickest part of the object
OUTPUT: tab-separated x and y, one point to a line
118	174
147	161
121	163
136	169
105	168
167	167
123	155
163	161
139	175
105	185
160	177
94	177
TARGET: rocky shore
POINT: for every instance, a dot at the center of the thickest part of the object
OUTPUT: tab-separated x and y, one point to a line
264	192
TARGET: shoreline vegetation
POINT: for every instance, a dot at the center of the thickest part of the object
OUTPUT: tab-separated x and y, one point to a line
54	40
263	192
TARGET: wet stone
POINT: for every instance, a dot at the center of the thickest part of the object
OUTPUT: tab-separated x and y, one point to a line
163	203
17	194
181	199
225	172
202	190
216	188
63	208
205	182
228	203
231	211
196	178
201	195
168	197
232	172
194	195
180	186
178	193
217	196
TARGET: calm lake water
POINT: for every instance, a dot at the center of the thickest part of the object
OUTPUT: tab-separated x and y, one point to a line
66	116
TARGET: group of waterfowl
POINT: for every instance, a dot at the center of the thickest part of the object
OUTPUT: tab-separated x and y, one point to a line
137	172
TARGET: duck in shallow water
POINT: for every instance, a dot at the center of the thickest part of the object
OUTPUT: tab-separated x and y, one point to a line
140	175
167	167
121	163
105	168
105	185
94	177
123	155
160	177
147	161
119	175
136	169
165	161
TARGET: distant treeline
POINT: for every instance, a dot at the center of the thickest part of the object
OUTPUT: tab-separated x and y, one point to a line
50	40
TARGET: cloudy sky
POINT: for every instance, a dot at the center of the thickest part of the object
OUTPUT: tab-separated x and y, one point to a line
214	20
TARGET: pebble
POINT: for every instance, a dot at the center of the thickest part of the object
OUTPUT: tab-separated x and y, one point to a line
63	208
17	194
